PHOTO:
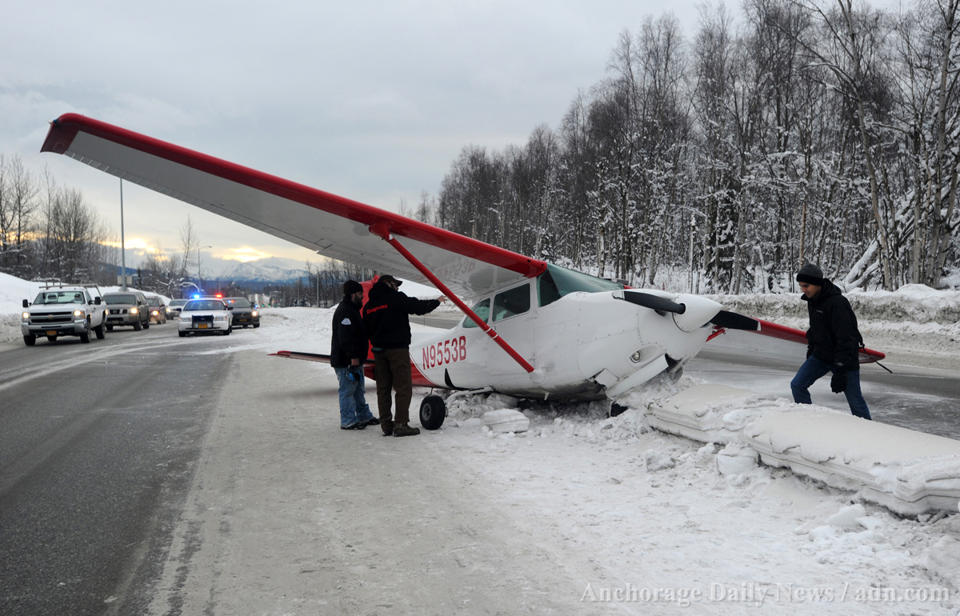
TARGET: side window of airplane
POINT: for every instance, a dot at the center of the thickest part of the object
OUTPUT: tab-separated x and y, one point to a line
547	289
483	311
509	303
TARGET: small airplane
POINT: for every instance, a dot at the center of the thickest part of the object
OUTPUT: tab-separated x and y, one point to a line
535	329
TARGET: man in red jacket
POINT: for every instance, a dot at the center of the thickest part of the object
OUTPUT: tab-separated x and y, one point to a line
387	321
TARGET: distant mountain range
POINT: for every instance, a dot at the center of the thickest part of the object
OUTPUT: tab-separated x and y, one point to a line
269	270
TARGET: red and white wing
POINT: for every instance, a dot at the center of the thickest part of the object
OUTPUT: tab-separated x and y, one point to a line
731	320
328	224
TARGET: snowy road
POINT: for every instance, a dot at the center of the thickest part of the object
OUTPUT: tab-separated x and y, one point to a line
289	515
283	513
97	444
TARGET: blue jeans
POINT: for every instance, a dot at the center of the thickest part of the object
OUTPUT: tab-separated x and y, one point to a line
813	369
353	406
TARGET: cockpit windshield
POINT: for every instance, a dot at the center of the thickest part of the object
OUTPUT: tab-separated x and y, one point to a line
559	281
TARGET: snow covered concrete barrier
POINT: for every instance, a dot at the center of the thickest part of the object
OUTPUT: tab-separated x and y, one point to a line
707	413
908	472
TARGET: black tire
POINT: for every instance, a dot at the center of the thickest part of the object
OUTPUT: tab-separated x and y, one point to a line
85	337
137	325
433	410
256	325
109	328
30	340
228	331
182	334
99	331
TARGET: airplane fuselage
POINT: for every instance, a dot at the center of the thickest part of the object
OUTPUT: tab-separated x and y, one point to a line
582	345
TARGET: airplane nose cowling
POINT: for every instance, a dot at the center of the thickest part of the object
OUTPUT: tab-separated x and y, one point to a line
699	311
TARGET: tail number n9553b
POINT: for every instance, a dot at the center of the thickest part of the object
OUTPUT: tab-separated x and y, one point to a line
445	352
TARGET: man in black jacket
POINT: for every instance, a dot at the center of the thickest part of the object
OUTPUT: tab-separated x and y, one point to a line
833	342
348	349
386	318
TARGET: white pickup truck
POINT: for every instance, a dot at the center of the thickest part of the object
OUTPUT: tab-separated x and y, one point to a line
63	311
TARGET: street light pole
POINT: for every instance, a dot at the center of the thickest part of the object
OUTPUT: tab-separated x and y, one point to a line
199	279
123	249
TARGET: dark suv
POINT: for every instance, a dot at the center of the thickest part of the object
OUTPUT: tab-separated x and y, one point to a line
158	311
127	308
244	313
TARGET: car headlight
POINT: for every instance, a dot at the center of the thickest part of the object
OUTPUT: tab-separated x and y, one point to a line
25	316
78	313
254	314
133	311
155	313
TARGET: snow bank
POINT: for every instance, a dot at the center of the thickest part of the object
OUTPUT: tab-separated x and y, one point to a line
912	302
908	472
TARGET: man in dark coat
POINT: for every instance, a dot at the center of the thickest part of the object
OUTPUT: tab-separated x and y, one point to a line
348	349
833	342
386	318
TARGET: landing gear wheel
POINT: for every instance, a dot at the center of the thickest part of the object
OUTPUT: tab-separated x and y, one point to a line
617	409
433	410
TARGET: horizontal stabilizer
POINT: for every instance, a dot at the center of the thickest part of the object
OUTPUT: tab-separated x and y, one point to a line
301	355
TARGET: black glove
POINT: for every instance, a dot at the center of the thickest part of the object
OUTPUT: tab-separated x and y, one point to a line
838	383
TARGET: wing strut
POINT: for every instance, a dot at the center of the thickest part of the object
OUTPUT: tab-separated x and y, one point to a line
382	231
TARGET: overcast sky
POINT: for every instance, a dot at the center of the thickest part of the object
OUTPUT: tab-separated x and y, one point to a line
369	100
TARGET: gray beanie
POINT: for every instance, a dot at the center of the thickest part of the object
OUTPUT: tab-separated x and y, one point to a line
810	273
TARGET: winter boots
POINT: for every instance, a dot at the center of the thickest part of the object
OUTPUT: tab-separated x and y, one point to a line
405	430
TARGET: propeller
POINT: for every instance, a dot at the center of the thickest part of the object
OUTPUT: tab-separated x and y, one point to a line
654	302
732	320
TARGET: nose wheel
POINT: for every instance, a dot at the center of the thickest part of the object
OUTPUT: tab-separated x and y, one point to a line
433	410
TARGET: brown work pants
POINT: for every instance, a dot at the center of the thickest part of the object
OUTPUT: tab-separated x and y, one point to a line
391	370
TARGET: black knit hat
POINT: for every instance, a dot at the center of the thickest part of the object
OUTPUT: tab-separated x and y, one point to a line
810	273
350	287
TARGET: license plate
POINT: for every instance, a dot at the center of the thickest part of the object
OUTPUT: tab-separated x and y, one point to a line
201	326
51	332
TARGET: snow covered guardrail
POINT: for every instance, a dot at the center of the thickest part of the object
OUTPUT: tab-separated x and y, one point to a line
908	472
